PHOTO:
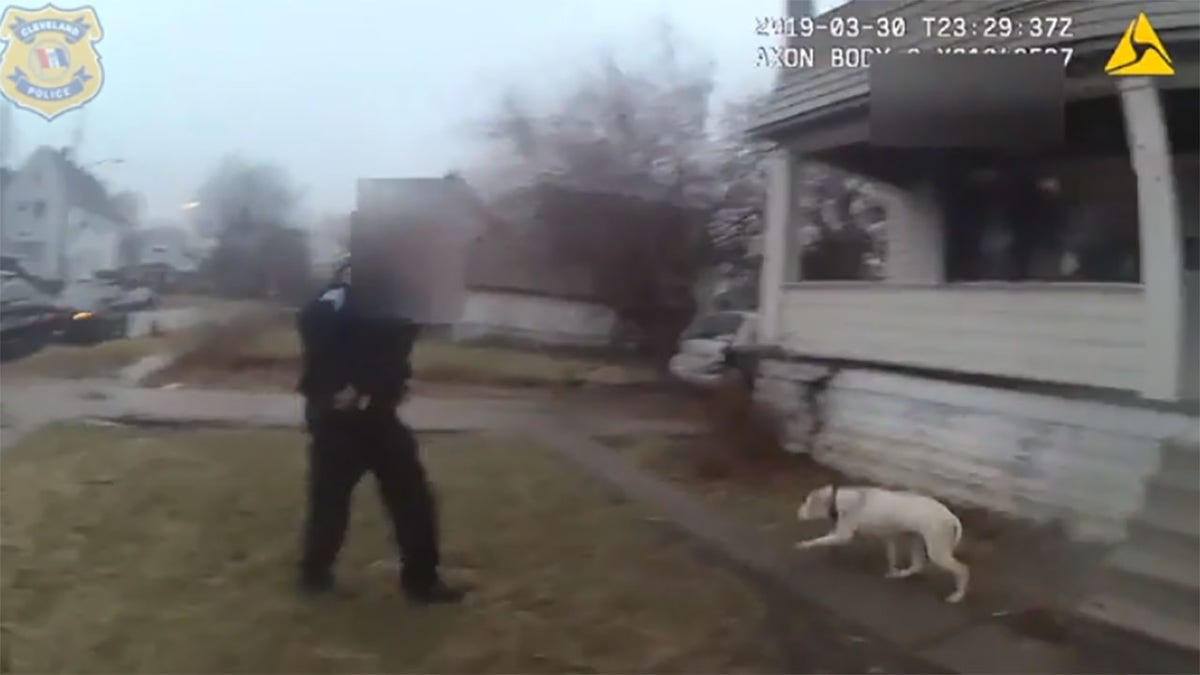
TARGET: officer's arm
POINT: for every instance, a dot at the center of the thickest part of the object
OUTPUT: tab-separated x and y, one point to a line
396	338
317	324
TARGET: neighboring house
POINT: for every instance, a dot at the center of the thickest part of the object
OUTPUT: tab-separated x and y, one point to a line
487	270
165	258
562	265
58	219
518	289
1040	381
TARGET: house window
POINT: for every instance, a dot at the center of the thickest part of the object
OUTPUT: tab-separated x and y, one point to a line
1070	221
39	209
839	227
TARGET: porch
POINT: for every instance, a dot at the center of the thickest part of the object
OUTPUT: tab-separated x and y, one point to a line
1130	328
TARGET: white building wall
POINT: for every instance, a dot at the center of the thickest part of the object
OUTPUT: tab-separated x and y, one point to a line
1084	334
93	244
1029	455
535	318
33	234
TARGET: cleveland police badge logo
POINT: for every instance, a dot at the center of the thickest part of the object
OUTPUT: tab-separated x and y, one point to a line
49	62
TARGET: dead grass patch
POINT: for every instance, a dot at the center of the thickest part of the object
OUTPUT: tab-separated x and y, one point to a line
138	551
84	361
181	300
1027	572
264	352
1030	574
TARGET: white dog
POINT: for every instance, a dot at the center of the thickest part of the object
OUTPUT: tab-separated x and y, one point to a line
889	515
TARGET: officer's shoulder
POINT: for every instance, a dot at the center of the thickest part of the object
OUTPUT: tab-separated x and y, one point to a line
334	296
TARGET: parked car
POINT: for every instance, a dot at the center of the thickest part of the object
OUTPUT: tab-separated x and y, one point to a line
137	298
90	312
706	346
27	315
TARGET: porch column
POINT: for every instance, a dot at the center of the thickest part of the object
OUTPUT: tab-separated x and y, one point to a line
1161	237
915	234
779	259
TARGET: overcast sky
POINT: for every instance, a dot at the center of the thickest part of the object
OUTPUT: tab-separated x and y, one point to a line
335	91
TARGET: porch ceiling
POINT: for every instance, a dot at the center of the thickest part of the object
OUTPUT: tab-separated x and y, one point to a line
804	103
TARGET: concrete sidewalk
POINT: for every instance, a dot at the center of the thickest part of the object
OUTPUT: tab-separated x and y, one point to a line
29	405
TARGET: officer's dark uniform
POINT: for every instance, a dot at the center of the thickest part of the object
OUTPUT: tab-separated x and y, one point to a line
342	347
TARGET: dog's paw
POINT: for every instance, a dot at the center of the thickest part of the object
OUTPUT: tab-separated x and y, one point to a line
955	598
894	574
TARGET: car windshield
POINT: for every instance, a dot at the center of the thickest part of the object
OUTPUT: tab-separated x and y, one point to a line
713	325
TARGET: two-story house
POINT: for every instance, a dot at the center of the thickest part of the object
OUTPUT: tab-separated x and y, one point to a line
58	219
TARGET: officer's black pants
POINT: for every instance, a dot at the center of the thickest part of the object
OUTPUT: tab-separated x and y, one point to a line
343	446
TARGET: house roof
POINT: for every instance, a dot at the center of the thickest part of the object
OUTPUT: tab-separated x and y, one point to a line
83	190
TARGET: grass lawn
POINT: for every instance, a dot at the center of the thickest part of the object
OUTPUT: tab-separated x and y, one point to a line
1015	567
139	551
767	497
178	300
83	361
266	355
106	358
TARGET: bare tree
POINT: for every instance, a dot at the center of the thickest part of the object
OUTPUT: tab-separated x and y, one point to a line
647	134
740	190
259	253
238	189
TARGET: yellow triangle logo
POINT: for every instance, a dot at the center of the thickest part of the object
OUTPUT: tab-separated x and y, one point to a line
1140	52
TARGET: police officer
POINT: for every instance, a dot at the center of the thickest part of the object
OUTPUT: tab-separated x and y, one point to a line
355	373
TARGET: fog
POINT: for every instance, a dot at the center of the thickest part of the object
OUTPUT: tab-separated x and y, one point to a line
333	92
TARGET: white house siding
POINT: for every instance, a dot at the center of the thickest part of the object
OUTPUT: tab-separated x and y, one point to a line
1087	334
35	236
535	318
1187	177
1028	455
93	244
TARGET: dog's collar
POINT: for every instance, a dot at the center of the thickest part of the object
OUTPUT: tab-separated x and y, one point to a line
833	509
